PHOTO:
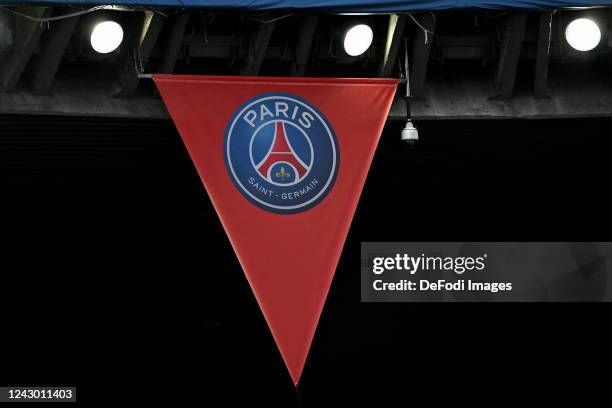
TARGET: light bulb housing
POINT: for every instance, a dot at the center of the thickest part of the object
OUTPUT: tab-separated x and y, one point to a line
410	134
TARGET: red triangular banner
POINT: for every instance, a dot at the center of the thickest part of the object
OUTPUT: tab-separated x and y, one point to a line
284	161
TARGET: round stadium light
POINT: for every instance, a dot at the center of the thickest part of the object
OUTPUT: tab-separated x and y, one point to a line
106	37
583	34
358	39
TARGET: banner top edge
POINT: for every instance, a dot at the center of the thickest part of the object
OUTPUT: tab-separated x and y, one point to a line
277	80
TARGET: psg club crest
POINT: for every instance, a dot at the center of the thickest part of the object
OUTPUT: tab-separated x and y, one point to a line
281	153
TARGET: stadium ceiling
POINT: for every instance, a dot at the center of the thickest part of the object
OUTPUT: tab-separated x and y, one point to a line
336	6
466	58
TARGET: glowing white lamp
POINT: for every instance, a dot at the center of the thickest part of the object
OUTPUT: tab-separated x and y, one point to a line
358	39
583	34
106	37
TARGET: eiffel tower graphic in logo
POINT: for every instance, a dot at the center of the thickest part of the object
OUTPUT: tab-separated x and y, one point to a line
281	164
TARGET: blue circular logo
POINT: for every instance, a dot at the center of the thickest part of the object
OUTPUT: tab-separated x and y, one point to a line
281	153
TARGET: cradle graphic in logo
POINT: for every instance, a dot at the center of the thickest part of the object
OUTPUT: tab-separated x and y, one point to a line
281	153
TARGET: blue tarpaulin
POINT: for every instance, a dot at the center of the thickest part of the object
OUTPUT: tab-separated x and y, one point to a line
347	6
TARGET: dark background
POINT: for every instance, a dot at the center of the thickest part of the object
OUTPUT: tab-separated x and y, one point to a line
116	275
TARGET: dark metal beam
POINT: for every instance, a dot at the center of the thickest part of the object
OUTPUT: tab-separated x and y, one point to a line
53	46
154	22
421	49
540	78
27	34
609	24
509	53
172	42
141	36
257	46
7	33
395	31
126	66
468	98
306	32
